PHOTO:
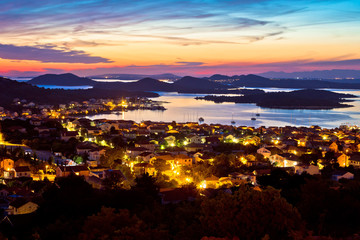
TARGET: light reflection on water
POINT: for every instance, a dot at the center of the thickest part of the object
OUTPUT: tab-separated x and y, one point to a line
183	107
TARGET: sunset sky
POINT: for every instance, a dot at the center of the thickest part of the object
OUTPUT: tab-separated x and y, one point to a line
196	37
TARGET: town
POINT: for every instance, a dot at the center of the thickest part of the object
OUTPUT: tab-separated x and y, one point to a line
112	154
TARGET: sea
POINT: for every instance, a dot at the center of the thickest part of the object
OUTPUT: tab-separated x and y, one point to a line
185	108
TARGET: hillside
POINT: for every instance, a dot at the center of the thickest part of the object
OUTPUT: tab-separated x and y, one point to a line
137	76
185	84
190	84
257	81
318	74
66	79
146	84
12	89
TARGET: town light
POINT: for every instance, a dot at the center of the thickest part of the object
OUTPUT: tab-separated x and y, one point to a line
203	184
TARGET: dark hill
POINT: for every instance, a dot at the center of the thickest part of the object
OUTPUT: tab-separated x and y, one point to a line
185	84
145	84
257	81
137	76
191	83
300	99
9	90
219	77
66	79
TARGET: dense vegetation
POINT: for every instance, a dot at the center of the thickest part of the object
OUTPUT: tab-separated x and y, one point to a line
306	206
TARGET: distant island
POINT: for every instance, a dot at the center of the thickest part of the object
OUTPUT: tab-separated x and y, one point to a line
189	84
344	74
167	76
300	99
66	79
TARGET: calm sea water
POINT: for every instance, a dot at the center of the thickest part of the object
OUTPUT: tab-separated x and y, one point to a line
184	107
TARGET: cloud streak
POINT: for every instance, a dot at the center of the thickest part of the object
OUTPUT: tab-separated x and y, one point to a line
47	54
204	69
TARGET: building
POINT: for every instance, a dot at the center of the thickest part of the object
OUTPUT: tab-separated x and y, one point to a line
21	206
64	171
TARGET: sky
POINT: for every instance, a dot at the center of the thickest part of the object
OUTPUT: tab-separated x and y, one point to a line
197	37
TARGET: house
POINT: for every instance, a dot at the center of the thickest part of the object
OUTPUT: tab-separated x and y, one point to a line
67	135
94	131
170	140
194	139
85	147
130	134
142	168
309	169
64	171
337	175
7	164
194	147
157	129
334	147
23	171
145	156
135	151
146	144
343	160
265	152
283	160
96	153
21	206
354	160
183	160
212	181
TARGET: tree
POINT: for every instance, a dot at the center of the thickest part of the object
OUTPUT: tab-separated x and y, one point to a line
147	184
118	224
161	165
249	214
112	158
113	180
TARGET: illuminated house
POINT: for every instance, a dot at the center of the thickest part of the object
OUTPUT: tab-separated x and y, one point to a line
21	206
283	160
142	168
22	171
7	164
309	169
354	160
265	152
343	160
63	171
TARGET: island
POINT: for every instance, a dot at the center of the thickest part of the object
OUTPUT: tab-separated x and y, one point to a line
299	99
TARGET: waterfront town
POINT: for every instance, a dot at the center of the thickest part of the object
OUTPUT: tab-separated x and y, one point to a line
186	161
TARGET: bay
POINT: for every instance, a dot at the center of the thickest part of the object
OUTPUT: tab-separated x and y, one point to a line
184	108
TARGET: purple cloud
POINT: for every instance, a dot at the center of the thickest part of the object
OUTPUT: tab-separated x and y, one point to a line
191	63
47	54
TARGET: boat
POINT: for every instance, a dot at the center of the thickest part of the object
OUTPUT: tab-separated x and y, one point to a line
201	120
233	122
258	114
253	119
